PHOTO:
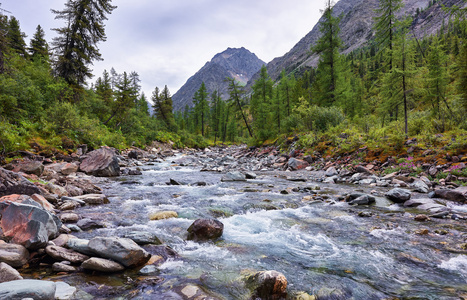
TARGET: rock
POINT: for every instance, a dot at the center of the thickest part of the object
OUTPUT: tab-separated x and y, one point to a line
43	202
420	186
297	164
28	225
60	253
28	288
363	200
14	255
102	265
398	195
362	169
418	202
233	176
122	250
81	246
69	217
163	251
88	224
69	205
63	168
135	172
367	181
93	198
61	267
250	175
205	229
268	285
421	218
32	167
433	171
459	194
101	163
192	292
161	215
149	270
62	240
398	182
143	238
135	154
56	189
8	273
330	179
331	171
176	182
64	291
13	183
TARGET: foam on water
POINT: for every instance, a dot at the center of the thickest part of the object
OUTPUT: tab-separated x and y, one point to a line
458	264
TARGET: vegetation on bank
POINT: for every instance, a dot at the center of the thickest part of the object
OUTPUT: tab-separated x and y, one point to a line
395	89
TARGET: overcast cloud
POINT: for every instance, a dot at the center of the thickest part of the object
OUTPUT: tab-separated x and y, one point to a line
167	41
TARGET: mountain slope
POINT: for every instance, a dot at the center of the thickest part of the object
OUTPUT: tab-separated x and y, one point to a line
238	63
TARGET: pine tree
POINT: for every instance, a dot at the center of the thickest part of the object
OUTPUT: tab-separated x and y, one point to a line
327	47
260	105
201	107
38	47
103	88
15	37
76	43
124	100
163	107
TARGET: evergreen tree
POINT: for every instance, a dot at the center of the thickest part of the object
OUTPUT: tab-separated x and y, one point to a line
216	114
3	40
124	100
163	107
38	47
103	88
327	47
235	97
201	107
260	105
76	43
15	37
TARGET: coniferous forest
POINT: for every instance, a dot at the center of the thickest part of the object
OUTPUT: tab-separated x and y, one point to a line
395	88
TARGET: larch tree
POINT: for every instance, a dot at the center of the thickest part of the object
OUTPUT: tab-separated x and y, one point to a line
201	108
38	47
260	104
76	44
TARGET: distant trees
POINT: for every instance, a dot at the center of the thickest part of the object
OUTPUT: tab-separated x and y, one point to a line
76	43
163	107
38	47
261	103
201	107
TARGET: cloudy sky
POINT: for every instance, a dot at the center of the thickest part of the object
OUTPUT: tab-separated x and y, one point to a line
167	41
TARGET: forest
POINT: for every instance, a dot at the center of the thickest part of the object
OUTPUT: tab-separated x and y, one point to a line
394	89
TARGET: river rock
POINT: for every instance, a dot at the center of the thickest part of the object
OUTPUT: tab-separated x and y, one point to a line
233	176
102	265
361	200
124	251
268	285
81	246
161	215
250	175
101	163
398	195
331	171
62	240
43	202
63	267
459	194
93	198
13	254
88	224
28	288
13	183
205	229
163	251
56	189
69	218
192	292
64	168
297	164
420	186
8	273
418	202
28	225
64	291
143	238
60	253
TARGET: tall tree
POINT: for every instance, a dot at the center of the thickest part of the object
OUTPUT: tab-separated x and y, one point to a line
260	105
3	40
38	47
76	43
124	100
327	47
201	108
163	107
16	37
235	97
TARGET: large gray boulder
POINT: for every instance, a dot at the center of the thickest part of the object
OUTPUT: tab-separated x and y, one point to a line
28	225
458	194
28	288
398	195
122	250
102	162
14	183
13	254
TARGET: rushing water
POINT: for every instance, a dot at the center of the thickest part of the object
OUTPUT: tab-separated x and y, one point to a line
319	245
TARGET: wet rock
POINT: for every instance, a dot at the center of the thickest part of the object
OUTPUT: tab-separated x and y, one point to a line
333	294
459	194
81	246
250	175
62	267
13	254
161	215
60	253
418	202
420	186
143	238
28	288
94	199
193	292
13	183
122	250
205	229
303	296
360	199
268	285
102	265
233	176
163	251
297	164
73	227
331	171
28	225
64	291
88	224
398	195
101	163
149	270
331	180
8	273
135	172
421	218
175	182
365	214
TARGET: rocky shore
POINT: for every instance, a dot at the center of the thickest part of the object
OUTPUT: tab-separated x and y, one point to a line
39	197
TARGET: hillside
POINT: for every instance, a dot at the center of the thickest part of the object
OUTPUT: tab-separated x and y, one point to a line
238	63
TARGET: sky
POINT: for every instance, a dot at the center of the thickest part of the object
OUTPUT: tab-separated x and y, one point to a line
168	41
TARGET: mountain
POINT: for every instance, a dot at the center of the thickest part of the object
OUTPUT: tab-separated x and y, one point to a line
238	63
356	30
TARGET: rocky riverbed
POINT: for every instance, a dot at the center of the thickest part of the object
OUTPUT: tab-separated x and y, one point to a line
229	223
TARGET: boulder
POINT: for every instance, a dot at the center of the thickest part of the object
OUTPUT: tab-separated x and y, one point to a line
268	285
13	254
297	164
60	254
93	198
102	265
43	202
101	163
331	171
81	246
143	238
8	273
205	229
459	194
64	168
361	199
28	288
161	215
28	225
88	224
398	195
233	176
64	291
32	167
420	186
13	183
124	251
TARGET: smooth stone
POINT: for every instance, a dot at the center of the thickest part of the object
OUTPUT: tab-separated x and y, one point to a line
88	224
205	229
161	215
102	265
233	176
149	270
102	162
398	195
64	291
61	267
28	288
69	217
81	246
14	255
60	253
8	273
94	199
124	251
143	238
